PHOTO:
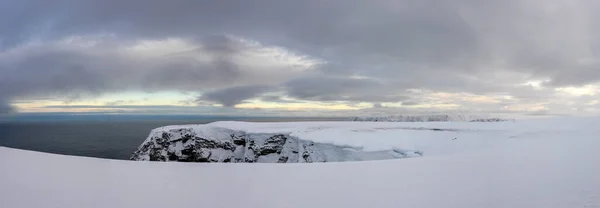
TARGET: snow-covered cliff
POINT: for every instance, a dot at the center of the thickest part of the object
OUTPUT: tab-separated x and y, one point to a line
201	143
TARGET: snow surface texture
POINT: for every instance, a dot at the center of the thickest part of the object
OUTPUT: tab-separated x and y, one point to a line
534	163
203	143
430	118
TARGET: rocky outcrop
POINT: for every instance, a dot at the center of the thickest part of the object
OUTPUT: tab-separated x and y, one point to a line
213	144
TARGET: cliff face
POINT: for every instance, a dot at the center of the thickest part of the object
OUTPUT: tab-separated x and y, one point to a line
214	144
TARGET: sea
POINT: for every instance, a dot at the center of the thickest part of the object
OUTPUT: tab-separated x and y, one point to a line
103	136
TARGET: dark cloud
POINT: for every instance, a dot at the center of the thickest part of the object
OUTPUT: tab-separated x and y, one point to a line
181	71
5	108
46	72
333	88
111	106
68	72
278	99
118	102
271	98
230	97
409	103
327	88
188	75
373	51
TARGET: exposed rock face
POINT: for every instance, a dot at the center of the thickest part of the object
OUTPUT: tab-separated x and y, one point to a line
212	144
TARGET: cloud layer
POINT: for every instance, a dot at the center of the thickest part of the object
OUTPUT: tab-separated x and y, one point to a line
492	56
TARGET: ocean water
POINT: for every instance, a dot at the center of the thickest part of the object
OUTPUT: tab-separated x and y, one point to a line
113	137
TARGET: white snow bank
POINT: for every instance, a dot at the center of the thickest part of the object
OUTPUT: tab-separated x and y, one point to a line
545	163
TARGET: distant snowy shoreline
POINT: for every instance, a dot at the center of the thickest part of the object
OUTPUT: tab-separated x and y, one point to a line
430	118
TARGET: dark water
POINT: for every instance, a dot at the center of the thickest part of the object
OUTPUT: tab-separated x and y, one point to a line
104	137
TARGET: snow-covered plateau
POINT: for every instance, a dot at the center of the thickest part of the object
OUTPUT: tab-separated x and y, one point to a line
527	163
223	142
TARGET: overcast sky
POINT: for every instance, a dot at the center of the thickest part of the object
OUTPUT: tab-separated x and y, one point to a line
309	57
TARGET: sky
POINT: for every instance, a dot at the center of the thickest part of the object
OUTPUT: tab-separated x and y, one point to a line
300	58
